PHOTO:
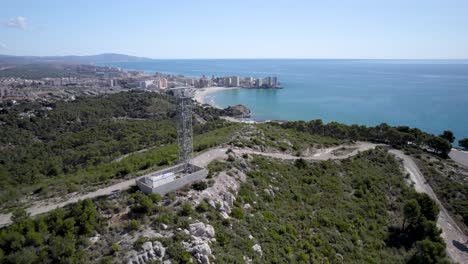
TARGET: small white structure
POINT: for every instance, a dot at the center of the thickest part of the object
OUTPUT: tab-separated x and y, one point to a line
158	180
170	179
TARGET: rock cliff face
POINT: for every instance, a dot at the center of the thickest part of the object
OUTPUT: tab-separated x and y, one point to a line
240	111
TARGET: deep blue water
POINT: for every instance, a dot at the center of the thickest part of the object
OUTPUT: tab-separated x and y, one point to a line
430	95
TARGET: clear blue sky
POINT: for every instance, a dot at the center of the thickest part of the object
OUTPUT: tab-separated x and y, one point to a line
237	29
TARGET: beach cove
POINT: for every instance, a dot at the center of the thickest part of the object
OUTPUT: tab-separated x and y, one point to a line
204	95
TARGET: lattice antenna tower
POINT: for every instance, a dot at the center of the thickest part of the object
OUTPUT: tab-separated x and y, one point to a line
184	127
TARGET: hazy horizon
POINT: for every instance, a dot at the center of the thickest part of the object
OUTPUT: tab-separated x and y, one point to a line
240	58
242	30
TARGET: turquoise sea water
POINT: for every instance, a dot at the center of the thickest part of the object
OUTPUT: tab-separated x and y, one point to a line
431	95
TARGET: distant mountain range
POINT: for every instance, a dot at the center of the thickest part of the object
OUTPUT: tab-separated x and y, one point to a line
101	58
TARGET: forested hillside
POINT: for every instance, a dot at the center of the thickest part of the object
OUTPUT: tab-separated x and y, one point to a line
358	210
47	144
354	211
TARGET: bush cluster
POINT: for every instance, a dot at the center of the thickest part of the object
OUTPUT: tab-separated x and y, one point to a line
58	237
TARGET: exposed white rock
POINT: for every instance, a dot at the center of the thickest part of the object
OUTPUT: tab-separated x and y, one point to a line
210	232
199	246
147	246
150	251
212	204
224	215
95	238
204	259
159	249
270	192
229	198
221	195
203	248
199	249
225	207
257	248
199	229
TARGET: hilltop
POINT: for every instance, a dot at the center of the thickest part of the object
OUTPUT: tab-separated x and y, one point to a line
296	192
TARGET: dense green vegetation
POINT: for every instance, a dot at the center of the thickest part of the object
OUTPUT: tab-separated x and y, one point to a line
284	139
300	140
463	143
329	212
453	194
357	210
76	134
59	237
448	135
75	143
394	136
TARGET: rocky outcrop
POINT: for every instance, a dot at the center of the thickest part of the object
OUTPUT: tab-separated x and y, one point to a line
228	202
199	249
257	248
201	230
198	246
150	251
237	111
221	195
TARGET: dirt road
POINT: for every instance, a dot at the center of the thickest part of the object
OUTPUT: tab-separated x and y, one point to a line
459	156
202	159
452	234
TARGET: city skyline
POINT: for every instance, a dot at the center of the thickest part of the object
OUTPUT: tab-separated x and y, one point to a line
261	29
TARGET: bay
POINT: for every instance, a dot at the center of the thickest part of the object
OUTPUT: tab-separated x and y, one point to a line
428	94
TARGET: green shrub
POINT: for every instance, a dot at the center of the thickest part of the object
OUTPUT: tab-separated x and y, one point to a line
107	260
155	197
202	207
115	248
134	225
200	186
186	210
237	212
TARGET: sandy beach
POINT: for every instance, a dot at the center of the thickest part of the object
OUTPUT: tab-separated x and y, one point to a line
201	94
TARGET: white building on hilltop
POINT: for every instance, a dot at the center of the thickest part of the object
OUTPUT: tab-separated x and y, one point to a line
155	181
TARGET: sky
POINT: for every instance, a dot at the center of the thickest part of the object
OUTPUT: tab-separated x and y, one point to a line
366	29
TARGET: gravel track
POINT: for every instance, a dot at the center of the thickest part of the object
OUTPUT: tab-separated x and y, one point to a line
451	233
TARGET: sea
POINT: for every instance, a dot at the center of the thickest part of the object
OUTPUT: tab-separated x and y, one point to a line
428	94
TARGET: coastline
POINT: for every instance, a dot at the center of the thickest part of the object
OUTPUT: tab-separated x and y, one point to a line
202	93
200	97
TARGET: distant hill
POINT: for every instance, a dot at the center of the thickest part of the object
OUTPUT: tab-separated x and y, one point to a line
101	58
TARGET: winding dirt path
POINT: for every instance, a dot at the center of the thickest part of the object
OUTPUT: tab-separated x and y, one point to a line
451	233
203	159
